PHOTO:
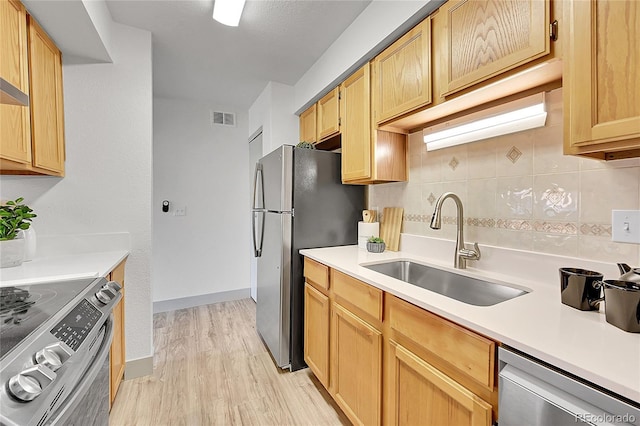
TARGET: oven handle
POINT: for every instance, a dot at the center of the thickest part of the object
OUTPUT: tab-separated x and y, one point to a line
87	379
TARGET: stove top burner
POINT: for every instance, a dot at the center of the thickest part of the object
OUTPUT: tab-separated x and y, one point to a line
25	308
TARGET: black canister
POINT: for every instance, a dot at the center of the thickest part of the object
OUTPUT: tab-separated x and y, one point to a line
622	304
580	288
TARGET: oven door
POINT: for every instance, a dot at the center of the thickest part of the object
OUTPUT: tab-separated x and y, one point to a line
88	402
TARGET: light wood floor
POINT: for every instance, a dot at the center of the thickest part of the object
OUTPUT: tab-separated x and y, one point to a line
212	368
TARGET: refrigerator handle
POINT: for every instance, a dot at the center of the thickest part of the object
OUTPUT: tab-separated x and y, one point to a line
256	182
257	248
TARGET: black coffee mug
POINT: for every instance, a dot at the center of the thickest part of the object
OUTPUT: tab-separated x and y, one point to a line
580	288
622	304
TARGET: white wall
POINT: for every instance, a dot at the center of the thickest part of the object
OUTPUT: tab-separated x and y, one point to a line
204	168
274	111
107	188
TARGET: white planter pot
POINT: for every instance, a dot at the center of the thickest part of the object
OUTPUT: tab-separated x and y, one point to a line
11	253
29	244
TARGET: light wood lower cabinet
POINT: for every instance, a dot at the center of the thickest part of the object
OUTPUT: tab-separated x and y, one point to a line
419	393
117	353
316	333
434	372
356	365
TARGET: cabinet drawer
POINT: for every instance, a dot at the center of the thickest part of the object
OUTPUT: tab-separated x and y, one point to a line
365	298
316	273
456	346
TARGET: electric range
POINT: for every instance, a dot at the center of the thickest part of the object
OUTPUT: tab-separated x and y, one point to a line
54	341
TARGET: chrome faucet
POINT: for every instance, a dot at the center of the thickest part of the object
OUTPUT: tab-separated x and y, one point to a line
462	253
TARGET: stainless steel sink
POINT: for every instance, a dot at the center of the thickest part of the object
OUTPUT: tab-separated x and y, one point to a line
458	287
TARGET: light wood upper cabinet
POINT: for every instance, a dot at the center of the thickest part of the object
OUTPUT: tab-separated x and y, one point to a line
316	333
32	137
355	108
356	367
328	115
422	394
484	38
602	78
117	353
368	155
402	74
308	125
15	127
47	111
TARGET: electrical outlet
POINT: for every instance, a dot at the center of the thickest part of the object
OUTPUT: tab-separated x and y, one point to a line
625	226
180	211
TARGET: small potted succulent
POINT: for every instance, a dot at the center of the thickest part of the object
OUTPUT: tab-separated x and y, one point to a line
375	245
14	217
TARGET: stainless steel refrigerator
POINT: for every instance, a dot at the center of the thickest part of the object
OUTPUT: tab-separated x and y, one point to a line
299	202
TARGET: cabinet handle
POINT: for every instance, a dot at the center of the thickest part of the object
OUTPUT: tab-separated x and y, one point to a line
553	30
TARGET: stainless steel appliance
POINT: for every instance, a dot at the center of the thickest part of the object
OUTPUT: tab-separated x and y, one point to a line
299	202
532	393
54	352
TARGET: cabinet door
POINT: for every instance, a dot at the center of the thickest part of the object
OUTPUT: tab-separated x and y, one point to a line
488	37
47	117
355	109
402	74
316	333
15	135
601	76
328	114
308	125
356	364
421	394
117	353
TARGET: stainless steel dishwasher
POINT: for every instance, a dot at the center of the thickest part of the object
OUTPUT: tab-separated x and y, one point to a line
532	393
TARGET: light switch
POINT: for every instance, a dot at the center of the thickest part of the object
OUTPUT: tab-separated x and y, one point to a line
625	226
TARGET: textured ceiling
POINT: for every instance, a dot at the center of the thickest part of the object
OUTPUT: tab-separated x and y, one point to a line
195	57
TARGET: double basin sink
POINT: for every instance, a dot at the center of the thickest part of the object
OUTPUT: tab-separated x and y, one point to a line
459	287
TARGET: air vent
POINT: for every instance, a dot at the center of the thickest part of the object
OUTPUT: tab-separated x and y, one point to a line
220	118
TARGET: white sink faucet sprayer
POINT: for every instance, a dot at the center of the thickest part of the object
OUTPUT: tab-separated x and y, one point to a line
462	253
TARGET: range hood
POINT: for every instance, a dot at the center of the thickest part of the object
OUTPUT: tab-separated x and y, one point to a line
11	95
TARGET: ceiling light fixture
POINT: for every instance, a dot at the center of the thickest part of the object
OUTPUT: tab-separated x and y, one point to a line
228	12
522	114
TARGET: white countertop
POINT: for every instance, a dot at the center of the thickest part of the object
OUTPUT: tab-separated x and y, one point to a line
64	267
537	323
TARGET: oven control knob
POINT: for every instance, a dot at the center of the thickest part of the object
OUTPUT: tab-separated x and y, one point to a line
104	296
30	383
53	356
113	286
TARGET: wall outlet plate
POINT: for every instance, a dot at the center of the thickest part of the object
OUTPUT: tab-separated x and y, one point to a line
625	226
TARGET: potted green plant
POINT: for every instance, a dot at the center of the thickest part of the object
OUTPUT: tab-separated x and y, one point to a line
307	145
375	245
14	217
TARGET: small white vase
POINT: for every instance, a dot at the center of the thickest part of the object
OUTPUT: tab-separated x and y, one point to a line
11	253
29	244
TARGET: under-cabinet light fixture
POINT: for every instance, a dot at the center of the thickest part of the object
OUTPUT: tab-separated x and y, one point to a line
228	12
516	116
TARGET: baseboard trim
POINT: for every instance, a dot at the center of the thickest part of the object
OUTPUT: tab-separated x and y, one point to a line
203	299
138	368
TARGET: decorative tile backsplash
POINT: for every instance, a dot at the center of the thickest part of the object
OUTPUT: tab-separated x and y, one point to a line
520	191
